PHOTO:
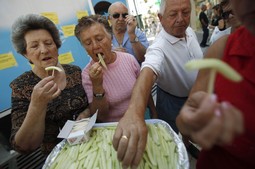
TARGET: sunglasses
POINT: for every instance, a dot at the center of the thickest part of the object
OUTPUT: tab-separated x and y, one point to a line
117	15
225	15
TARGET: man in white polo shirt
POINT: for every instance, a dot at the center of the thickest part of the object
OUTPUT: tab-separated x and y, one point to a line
174	46
164	63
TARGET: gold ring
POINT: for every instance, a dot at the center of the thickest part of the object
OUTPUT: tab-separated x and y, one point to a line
125	137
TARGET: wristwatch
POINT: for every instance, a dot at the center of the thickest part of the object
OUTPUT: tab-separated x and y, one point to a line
98	95
135	40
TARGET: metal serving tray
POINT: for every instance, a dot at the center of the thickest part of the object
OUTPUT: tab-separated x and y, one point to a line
183	160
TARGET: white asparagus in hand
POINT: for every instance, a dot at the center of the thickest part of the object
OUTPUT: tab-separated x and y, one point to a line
215	65
53	68
101	60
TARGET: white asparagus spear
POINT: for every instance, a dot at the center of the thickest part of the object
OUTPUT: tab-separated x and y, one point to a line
101	60
215	65
53	68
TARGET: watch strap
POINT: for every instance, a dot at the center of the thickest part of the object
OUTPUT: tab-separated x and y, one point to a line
135	40
98	95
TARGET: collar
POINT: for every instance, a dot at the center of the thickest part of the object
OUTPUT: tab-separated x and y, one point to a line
125	38
172	39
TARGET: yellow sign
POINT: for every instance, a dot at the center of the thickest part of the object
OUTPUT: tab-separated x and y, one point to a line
53	16
66	58
68	30
80	14
7	60
32	65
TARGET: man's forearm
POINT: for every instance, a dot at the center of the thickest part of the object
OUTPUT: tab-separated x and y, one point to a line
142	91
139	50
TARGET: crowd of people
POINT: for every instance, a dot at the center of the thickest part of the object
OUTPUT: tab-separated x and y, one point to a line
220	123
220	21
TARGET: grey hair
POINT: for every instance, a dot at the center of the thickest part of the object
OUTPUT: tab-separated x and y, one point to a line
162	7
87	21
32	22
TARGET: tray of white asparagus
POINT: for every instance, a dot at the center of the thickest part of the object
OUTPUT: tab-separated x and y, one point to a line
164	150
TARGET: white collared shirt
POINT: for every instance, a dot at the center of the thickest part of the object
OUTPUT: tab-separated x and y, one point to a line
167	57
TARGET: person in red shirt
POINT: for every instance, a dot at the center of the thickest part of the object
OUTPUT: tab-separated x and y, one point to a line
222	123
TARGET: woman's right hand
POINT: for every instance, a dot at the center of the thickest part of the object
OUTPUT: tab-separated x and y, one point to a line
45	91
96	74
208	122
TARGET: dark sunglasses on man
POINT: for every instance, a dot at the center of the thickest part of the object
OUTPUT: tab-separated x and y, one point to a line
117	15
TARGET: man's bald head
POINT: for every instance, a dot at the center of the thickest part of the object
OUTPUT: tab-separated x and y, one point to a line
116	5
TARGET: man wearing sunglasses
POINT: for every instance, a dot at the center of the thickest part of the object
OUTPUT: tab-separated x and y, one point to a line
126	37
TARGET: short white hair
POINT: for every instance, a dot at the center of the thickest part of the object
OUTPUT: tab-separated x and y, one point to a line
163	6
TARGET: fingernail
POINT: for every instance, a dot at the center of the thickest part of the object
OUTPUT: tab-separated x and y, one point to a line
217	113
225	105
213	97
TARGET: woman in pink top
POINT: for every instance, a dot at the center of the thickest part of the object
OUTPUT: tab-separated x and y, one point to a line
108	86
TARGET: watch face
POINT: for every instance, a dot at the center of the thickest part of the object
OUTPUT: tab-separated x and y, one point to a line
136	39
98	95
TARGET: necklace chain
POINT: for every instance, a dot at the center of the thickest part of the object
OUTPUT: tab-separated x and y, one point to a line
122	37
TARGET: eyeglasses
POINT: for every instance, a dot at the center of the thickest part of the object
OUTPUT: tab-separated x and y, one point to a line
225	15
117	15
